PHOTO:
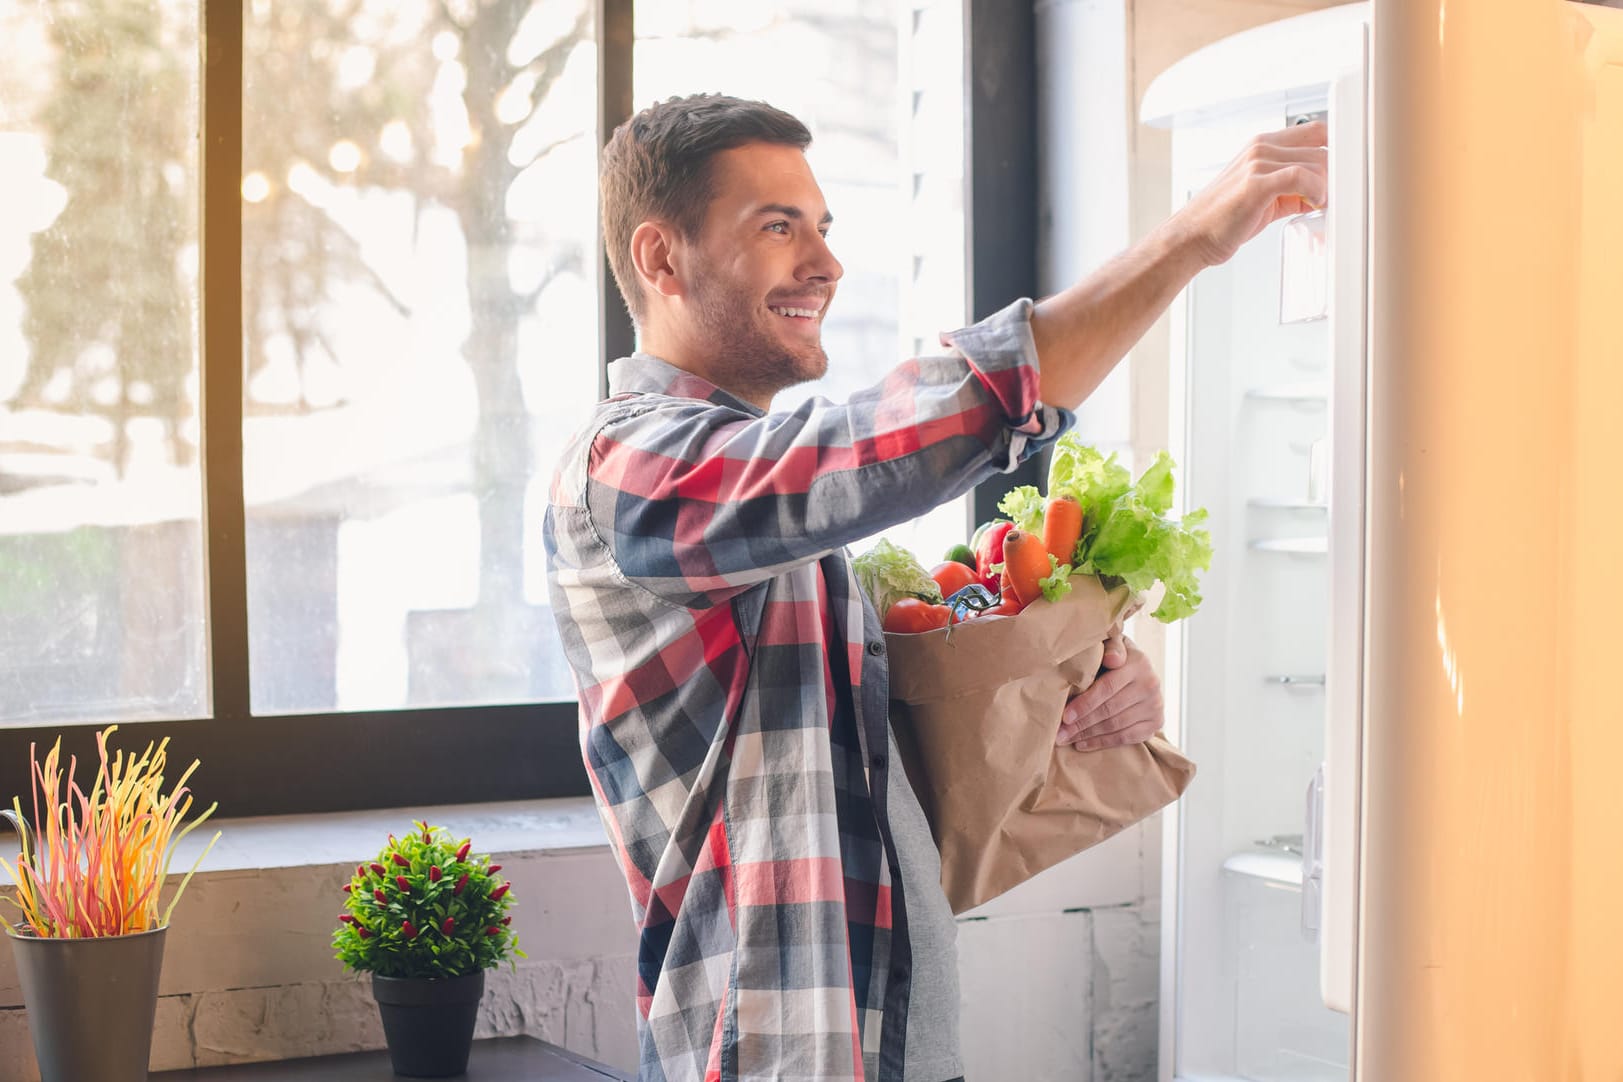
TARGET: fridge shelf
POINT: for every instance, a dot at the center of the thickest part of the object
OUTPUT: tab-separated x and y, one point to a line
1268	504
1272	865
1296	680
1295	546
1298	394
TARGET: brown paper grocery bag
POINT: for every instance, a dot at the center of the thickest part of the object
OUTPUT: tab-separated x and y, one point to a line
976	708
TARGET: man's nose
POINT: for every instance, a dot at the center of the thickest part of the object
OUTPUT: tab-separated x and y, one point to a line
819	262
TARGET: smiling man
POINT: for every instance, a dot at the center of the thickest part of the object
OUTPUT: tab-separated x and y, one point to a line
732	678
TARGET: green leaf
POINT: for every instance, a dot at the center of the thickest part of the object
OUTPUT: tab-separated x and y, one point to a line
1127	533
1024	506
1058	582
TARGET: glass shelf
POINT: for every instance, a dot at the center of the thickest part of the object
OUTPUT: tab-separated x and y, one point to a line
1295	546
1269	504
1296	680
1304	394
1275	866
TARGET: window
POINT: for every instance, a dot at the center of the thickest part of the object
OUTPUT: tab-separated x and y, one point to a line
419	314
101	571
881	88
277	402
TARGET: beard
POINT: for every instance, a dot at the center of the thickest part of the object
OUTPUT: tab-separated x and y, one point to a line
741	338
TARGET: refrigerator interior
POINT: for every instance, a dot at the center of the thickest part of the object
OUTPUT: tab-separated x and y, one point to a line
1252	383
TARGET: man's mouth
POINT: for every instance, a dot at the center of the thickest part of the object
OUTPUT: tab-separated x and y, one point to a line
794	312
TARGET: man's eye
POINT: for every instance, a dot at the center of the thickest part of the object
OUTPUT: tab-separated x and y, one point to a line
779	227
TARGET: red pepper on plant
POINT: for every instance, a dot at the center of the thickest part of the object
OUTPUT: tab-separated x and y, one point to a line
474	933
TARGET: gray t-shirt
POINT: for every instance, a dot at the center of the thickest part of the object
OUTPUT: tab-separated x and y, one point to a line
932	1015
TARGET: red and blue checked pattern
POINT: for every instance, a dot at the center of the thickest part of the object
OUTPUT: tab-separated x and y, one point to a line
697	567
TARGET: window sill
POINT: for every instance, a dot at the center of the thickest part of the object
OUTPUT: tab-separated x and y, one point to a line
292	841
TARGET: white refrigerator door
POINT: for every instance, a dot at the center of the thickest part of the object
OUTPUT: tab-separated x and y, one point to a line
1337	846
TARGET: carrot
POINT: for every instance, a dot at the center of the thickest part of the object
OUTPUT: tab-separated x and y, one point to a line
1026	562
1062	527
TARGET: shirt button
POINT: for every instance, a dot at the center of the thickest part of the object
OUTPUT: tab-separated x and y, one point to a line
899	974
876	648
878	762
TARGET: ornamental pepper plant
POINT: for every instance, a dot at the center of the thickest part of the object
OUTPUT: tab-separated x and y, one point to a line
426	907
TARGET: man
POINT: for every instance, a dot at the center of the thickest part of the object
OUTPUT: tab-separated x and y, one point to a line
732	678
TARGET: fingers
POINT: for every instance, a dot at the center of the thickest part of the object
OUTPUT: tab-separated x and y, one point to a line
1137	733
1120	700
1291	185
1315	134
1115	649
1110	714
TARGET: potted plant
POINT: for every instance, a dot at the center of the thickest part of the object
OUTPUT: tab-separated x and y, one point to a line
89	947
426	918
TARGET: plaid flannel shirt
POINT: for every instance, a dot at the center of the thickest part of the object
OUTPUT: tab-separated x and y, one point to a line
696	555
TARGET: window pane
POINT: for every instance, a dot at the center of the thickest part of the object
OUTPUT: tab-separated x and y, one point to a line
881	88
101	584
420	322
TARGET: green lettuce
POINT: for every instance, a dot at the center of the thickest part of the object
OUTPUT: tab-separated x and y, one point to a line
1024	508
1126	532
889	573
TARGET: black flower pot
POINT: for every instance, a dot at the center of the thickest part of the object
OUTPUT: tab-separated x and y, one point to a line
428	1022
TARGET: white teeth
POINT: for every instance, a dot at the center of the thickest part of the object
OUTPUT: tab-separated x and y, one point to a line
804	313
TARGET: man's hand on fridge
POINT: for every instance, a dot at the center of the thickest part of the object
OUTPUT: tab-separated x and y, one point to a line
1122	706
1278	175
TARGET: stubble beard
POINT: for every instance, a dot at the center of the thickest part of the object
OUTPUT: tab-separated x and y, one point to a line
755	362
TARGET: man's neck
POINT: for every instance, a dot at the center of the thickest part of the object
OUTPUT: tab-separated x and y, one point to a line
675	351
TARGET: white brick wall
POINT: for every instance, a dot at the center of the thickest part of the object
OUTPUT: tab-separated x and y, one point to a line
249	972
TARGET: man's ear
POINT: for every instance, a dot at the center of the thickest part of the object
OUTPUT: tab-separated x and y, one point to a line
654	256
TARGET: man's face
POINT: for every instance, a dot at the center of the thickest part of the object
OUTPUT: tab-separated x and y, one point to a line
761	275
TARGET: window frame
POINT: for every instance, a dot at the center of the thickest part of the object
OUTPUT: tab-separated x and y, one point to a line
326	762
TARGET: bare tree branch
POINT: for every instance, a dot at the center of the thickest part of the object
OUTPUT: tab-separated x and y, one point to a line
572	262
548	64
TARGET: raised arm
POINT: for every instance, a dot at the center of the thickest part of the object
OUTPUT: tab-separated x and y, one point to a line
1082	332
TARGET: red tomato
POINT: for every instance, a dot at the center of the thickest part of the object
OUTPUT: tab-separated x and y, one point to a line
909	616
1007	607
952	576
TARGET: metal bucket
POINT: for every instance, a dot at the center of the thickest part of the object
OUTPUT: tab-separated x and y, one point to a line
91	1003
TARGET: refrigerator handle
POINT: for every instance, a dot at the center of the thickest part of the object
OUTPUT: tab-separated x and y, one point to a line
1313	858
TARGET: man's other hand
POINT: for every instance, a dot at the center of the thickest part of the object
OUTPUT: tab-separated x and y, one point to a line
1122	706
1277	175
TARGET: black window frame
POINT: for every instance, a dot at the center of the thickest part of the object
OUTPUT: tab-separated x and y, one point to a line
327	762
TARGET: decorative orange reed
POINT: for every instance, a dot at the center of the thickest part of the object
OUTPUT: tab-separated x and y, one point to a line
101	859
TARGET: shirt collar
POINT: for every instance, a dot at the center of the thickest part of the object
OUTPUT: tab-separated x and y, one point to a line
643	373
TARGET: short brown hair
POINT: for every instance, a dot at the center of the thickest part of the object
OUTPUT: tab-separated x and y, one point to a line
657	165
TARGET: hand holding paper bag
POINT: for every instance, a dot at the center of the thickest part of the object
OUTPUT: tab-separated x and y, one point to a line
976	709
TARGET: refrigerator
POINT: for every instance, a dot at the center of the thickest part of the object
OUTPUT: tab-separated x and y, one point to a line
1403	857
